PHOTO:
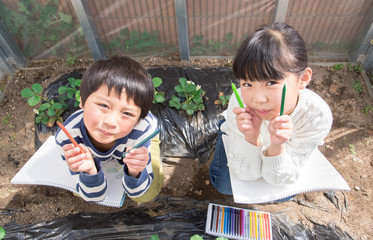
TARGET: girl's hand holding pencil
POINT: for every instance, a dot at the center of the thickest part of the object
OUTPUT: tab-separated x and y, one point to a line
247	121
280	128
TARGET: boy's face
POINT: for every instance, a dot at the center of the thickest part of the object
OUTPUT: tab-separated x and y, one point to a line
264	97
108	118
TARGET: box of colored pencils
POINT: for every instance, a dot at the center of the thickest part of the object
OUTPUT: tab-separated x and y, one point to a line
237	223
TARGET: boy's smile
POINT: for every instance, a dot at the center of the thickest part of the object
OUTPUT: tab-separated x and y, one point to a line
108	117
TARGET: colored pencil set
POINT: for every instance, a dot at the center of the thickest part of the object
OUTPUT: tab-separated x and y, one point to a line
238	223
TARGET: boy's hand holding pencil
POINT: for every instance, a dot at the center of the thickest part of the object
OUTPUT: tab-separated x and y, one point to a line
136	158
78	157
78	161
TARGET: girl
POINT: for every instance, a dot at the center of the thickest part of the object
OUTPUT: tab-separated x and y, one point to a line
260	142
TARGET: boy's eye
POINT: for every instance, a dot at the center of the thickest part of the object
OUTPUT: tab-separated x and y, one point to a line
128	114
103	105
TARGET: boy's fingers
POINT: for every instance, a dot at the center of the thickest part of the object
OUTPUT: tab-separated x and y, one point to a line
67	147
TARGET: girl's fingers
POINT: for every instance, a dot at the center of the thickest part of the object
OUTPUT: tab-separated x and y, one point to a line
238	110
246	126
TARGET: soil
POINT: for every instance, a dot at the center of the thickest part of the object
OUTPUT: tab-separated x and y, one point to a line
349	148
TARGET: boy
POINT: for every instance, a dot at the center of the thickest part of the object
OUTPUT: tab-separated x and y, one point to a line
116	96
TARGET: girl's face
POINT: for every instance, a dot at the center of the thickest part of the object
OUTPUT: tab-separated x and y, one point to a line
264	97
108	118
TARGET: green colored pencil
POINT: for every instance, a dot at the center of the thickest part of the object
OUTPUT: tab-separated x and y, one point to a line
283	100
143	141
237	95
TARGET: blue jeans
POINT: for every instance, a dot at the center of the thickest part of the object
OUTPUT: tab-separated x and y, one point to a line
219	172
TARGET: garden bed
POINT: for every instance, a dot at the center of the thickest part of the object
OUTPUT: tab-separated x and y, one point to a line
349	147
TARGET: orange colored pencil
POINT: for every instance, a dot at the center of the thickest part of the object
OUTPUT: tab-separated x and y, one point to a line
69	136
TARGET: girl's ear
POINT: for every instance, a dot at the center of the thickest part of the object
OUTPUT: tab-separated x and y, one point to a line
305	78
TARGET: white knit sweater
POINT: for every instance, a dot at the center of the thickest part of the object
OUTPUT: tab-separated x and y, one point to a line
312	120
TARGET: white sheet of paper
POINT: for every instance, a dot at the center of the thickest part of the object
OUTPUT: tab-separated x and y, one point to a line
46	167
318	175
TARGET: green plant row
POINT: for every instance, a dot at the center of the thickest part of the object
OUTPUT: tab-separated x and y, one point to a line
43	26
50	111
138	43
188	98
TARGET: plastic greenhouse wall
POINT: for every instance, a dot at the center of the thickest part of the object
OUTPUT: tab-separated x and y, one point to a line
143	28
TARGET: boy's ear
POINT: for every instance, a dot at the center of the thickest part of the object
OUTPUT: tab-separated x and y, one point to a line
80	103
305	78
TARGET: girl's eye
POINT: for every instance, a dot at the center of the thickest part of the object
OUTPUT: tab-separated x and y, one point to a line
270	83
246	84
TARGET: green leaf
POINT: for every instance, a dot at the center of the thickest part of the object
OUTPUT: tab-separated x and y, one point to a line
184	106
44	106
27	92
57	106
196	237
197	99
190	88
45	120
32	101
175	99
193	106
190	111
22	8
2	232
154	237
179	88
70	93
51	112
157	81
174	104
77	95
36	87
201	107
71	79
183	82
158	98
181	94
65	18
38	119
62	89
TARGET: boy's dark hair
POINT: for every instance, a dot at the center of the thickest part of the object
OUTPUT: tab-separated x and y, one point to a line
269	53
120	72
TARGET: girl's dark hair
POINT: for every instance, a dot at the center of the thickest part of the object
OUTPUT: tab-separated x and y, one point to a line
269	53
120	73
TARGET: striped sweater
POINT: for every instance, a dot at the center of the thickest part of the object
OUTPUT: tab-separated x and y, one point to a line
93	188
